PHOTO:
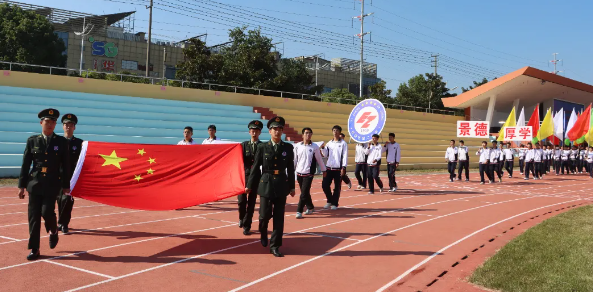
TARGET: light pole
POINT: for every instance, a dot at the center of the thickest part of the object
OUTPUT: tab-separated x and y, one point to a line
86	30
316	56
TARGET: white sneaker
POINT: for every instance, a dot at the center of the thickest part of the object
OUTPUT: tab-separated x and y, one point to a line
299	215
394	189
381	190
309	212
327	206
349	185
334	207
359	188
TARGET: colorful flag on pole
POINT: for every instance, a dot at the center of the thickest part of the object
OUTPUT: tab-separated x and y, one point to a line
158	177
571	122
534	121
559	126
520	122
547	128
581	125
510	122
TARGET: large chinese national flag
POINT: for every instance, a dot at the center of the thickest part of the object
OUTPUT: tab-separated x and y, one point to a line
158	177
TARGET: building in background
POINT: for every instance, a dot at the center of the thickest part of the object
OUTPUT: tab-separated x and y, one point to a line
341	73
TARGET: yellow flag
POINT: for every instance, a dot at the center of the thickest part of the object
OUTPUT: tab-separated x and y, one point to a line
511	122
547	128
589	135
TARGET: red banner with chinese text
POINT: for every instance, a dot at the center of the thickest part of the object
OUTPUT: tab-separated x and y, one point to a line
158	177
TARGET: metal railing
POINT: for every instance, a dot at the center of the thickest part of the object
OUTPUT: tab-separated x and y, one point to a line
12	66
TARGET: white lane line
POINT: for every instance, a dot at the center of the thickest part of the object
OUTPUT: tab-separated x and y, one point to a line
82	217
79	269
457	242
10	238
323	235
12	213
368	239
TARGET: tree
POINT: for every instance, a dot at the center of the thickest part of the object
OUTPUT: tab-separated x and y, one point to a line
339	95
423	91
476	84
380	92
293	76
27	37
200	63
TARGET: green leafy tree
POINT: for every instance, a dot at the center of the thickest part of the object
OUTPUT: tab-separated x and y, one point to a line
27	37
476	84
339	95
293	76
422	91
200	64
380	92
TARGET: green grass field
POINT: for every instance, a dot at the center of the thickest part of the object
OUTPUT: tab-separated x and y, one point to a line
556	255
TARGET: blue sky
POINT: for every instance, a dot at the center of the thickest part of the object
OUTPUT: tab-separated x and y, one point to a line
474	39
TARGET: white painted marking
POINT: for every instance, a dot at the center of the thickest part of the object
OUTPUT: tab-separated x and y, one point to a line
323	235
10	238
78	269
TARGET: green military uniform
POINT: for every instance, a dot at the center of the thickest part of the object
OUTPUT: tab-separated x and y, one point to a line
66	202
43	183
246	202
276	181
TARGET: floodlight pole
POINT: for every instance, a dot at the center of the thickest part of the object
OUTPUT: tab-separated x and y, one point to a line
82	44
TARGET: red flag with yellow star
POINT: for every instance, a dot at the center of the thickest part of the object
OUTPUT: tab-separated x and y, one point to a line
158	177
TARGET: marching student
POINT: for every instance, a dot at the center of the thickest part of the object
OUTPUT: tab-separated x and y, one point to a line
509	158
463	158
360	159
374	152
484	154
212	135
393	156
187	139
500	167
565	163
590	161
573	159
582	159
345	177
246	202
557	159
529	160
550	157
306	158
522	152
451	158
544	160
493	166
336	151
66	202
537	159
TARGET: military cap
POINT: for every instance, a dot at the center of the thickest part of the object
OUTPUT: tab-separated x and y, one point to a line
255	124
49	113
276	122
69	118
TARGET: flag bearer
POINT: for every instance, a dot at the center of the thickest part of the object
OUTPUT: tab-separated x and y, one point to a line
393	156
509	158
590	161
522	152
345	177
493	166
550	157
360	159
565	164
374	153
451	159
463	158
529	161
573	159
65	201
211	135
188	132
557	159
500	167
306	158
582	159
336	151
48	153
275	180
246	202
484	154
545	161
538	161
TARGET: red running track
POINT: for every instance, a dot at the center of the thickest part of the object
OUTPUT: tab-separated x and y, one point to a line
428	236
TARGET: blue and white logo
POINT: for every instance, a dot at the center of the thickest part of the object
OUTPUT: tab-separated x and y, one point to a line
367	118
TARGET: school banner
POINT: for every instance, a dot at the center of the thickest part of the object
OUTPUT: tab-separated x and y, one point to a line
521	134
366	119
473	129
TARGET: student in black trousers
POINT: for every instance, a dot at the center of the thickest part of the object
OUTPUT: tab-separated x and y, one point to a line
374	152
463	158
484	159
361	165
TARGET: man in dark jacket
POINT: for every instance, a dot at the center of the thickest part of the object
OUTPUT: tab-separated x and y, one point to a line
66	202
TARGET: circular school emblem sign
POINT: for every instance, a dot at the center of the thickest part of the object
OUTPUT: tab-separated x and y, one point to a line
367	118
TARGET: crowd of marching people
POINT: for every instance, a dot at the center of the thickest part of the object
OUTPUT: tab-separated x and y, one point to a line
535	159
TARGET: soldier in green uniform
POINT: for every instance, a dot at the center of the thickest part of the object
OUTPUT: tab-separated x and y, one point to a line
275	180
66	202
247	201
48	154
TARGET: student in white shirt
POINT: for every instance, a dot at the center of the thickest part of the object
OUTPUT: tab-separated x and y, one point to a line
493	166
538	161
212	135
360	159
451	158
529	160
573	159
345	177
306	158
557	159
550	158
374	152
187	139
509	159
463	158
522	151
393	156
484	154
581	159
565	163
501	159
589	158
336	151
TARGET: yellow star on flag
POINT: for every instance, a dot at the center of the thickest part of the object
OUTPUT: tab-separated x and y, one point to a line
151	160
112	159
138	177
150	171
141	152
